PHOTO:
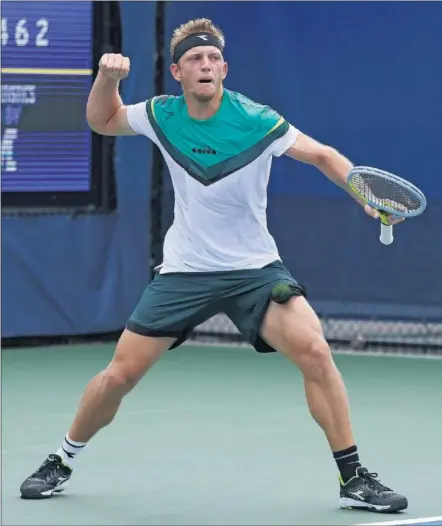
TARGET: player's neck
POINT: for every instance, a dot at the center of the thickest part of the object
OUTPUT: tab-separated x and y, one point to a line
204	110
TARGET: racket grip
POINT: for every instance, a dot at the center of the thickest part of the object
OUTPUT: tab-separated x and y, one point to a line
386	237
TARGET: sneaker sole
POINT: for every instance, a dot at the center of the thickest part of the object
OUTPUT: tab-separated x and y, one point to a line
352	504
34	494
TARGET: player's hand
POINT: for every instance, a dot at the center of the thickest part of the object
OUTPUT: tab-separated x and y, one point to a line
372	212
114	65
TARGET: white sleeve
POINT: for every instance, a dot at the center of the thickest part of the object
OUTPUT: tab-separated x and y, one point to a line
139	121
282	144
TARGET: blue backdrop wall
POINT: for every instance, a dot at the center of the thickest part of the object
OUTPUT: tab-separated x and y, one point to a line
365	77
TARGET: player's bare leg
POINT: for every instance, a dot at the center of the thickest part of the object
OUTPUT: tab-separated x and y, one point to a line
134	356
294	329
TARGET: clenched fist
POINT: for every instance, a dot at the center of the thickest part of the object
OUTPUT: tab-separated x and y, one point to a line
115	66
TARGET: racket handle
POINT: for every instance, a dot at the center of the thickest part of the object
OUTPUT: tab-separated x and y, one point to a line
386	237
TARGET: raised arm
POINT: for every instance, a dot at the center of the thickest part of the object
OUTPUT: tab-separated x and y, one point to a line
105	112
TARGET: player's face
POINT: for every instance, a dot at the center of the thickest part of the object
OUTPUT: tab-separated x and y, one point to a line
201	71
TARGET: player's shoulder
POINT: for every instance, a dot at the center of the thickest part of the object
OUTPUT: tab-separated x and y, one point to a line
261	115
164	104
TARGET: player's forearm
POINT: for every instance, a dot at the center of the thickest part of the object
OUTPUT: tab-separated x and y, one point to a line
336	166
103	102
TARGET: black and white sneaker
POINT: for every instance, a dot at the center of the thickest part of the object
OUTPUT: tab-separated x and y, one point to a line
51	477
364	491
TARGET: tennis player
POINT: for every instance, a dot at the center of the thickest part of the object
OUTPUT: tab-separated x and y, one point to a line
218	253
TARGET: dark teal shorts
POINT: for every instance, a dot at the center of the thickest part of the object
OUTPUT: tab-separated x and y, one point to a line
174	304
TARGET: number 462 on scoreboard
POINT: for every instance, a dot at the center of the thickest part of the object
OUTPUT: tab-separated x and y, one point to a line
22	35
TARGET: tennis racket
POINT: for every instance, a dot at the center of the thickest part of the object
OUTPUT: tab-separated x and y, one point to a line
389	194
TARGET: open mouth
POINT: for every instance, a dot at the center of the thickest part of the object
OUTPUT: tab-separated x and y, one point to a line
205	81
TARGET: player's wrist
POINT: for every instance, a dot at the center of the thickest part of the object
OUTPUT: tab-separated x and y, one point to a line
105	77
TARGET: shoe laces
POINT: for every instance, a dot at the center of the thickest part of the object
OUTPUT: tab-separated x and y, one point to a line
48	469
372	481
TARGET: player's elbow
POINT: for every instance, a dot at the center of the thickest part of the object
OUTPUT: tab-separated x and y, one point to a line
95	124
95	120
114	125
92	121
95	128
324	156
99	127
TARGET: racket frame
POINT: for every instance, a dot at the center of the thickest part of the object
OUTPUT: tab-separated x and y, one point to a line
385	212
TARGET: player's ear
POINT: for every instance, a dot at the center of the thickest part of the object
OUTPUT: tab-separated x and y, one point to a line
225	69
175	71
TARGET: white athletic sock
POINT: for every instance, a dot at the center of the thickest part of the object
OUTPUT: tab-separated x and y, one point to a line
69	451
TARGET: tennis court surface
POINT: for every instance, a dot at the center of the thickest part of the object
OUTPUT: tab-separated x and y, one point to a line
218	435
428	521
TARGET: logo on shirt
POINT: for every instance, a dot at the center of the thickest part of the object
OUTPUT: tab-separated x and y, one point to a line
205	150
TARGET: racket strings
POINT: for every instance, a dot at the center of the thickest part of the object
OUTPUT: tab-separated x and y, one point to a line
385	194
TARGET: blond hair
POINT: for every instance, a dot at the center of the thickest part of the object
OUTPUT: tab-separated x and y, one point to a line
199	25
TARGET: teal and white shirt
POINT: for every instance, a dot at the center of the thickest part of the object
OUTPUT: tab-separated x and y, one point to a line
220	169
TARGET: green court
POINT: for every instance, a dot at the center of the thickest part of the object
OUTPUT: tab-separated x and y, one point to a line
217	435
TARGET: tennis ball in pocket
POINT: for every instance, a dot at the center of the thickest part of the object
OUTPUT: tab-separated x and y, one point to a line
282	292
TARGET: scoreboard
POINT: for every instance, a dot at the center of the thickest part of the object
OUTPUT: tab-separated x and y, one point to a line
47	61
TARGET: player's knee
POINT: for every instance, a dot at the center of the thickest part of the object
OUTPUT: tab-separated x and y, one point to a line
317	361
120	378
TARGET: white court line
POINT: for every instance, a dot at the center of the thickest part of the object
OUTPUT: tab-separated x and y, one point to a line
407	521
